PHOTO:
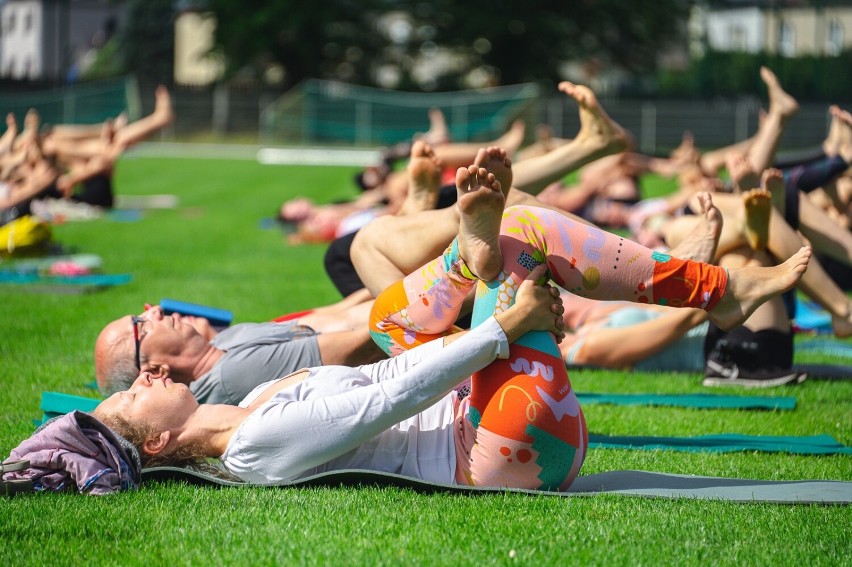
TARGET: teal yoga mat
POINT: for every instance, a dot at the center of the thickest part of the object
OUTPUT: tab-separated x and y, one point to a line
36	283
55	403
626	483
833	347
725	443
700	401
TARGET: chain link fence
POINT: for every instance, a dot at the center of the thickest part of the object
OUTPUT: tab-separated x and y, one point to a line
354	116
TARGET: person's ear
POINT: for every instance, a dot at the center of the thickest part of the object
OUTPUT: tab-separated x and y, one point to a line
155	445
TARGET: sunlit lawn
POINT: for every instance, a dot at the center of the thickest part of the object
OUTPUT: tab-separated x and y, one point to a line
214	250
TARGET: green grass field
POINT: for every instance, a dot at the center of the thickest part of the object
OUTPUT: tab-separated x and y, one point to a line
212	250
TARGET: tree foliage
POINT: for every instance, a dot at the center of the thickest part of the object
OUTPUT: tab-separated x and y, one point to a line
722	74
146	42
359	40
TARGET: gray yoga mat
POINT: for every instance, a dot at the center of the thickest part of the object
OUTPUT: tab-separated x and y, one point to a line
627	483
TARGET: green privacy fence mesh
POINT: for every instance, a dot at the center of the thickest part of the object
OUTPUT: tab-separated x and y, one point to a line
326	112
81	103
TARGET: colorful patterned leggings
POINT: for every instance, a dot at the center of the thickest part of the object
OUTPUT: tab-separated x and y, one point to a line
522	426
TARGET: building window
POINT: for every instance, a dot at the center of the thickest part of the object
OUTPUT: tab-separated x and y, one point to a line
786	40
834	38
10	23
28	21
737	38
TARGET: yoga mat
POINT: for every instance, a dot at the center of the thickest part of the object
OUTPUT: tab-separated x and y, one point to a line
832	347
825	371
699	401
217	317
55	403
36	283
146	201
725	443
43	263
812	317
627	483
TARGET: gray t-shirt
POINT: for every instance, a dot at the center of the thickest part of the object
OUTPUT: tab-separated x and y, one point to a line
255	353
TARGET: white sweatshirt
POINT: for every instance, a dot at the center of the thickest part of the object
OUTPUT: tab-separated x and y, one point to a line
393	416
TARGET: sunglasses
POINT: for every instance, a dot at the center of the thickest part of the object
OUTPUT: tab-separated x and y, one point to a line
136	340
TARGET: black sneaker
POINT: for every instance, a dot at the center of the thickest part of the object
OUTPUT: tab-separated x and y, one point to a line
718	374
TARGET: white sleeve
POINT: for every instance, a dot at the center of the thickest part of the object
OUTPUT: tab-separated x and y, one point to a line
391	367
291	437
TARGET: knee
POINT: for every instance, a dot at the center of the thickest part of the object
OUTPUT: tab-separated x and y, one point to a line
369	240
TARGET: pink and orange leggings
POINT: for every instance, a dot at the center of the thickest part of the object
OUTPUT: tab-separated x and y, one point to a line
522	426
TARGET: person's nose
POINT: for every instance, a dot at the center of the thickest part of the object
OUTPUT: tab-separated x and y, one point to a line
154	313
144	379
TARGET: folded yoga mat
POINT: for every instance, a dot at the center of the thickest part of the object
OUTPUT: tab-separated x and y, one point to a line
217	317
699	401
627	483
725	443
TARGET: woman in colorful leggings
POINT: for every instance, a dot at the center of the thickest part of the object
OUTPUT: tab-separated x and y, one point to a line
520	426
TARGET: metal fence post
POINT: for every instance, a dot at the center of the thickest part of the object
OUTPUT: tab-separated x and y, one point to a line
741	120
649	128
363	123
221	103
553	111
69	104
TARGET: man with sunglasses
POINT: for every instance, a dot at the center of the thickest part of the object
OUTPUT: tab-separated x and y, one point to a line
223	367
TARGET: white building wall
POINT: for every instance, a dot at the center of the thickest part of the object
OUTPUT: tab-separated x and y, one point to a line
736	30
193	40
21	40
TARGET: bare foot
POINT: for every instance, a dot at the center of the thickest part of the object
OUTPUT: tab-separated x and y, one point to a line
758	206
842	325
779	100
700	244
107	131
438	132
748	288
9	135
32	121
496	161
163	106
481	203
597	130
424	179
740	171
686	152
844	135
120	121
772	180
